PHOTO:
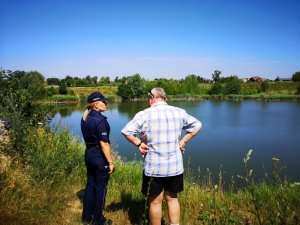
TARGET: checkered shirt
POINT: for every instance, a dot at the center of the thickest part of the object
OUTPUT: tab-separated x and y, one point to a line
160	126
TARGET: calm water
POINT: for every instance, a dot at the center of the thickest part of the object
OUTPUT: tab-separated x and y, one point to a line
230	129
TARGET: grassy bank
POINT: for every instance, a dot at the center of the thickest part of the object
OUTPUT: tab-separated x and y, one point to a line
56	99
44	186
277	91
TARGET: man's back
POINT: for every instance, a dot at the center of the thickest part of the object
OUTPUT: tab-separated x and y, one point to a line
160	127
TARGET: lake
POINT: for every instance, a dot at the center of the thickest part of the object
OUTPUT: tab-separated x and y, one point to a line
230	130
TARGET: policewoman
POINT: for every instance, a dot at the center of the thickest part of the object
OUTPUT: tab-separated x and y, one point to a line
98	158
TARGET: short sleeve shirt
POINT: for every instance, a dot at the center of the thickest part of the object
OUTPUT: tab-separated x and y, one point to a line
95	128
160	127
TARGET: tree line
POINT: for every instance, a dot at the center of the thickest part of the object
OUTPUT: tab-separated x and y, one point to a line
135	86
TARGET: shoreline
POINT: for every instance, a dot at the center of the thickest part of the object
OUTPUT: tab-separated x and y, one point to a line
267	98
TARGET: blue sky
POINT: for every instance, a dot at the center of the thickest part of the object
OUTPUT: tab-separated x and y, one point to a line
156	38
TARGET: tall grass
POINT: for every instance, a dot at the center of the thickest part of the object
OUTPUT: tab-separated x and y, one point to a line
37	185
42	186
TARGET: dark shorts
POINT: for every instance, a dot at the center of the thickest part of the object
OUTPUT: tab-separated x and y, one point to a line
153	186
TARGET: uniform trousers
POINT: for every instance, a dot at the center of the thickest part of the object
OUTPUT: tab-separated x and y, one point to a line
96	187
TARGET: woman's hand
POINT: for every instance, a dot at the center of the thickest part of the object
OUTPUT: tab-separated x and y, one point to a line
111	168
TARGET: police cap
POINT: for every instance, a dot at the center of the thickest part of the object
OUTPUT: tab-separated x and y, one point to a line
96	96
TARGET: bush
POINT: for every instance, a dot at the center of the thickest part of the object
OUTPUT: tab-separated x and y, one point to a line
53	155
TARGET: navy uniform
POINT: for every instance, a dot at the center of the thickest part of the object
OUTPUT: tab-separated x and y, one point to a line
95	128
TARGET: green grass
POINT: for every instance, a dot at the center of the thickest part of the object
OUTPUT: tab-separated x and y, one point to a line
41	187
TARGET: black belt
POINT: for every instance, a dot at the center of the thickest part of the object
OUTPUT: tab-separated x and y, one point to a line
92	145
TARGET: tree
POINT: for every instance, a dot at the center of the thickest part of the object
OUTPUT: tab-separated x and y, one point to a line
265	85
62	89
233	86
216	88
135	82
53	81
134	88
216	75
296	77
18	91
125	92
190	83
68	81
104	80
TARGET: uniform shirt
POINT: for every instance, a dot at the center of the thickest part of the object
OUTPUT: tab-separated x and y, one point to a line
160	128
95	128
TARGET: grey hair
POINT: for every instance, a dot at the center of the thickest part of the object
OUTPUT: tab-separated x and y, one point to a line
157	92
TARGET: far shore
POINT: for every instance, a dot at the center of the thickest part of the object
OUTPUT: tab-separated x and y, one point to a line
61	99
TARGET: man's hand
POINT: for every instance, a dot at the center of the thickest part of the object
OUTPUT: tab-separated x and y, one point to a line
182	146
144	148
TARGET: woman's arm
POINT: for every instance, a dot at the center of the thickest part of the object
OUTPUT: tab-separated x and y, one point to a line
105	146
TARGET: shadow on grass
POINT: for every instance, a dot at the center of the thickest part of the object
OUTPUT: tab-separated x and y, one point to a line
80	195
135	208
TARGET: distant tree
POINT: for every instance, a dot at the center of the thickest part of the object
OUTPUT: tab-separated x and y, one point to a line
92	81
53	81
120	80
134	88
34	83
51	91
216	88
190	83
136	83
216	75
233	86
125	92
104	80
68	81
296	77
202	79
62	89
265	86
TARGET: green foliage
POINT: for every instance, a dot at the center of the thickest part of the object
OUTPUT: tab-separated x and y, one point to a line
50	91
52	155
53	81
62	89
265	86
216	75
64	98
250	88
134	88
296	77
216	88
18	92
104	80
233	86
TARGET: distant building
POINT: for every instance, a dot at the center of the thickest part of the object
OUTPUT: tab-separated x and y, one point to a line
256	79
245	80
279	79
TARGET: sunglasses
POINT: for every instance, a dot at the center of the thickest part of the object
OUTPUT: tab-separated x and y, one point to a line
150	93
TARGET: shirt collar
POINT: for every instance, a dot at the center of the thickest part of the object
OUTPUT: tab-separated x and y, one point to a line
95	113
159	103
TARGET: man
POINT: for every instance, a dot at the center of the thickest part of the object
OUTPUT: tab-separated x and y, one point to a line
159	128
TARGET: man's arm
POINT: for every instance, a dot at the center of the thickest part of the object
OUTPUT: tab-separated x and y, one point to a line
105	146
137	142
187	137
